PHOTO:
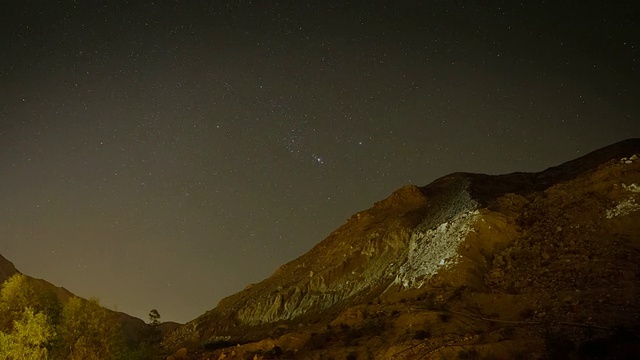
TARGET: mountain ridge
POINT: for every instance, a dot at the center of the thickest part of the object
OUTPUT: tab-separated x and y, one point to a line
448	233
7	269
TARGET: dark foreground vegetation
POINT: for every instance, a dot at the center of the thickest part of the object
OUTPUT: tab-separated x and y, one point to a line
35	324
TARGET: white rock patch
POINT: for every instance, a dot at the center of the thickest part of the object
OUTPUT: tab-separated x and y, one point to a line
433	249
629	160
623	208
626	206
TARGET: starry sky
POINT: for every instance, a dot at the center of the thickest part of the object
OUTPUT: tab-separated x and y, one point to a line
165	154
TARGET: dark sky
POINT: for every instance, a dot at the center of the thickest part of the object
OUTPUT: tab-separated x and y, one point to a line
165	154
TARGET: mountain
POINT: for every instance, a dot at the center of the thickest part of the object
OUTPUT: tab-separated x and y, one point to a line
522	265
6	269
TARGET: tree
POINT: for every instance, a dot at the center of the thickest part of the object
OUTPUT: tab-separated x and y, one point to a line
4	345
20	292
154	318
89	331
152	336
35	326
29	338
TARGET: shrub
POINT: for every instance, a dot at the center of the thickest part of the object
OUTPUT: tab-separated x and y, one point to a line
508	332
421	334
218	344
457	293
346	334
559	346
468	354
88	330
526	313
318	341
444	317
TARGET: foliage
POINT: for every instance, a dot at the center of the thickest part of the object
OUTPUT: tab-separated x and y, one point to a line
444	317
526	314
35	325
20	292
468	354
148	339
142	351
218	344
89	331
154	318
319	340
559	346
347	335
421	334
274	353
29	338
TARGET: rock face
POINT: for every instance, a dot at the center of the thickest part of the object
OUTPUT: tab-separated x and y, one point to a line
518	241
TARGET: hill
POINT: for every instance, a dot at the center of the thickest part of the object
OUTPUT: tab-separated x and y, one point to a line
131	326
522	265
6	269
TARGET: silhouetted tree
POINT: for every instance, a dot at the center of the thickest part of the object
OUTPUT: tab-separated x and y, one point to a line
154	318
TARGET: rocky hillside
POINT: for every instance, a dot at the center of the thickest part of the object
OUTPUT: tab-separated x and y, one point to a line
523	265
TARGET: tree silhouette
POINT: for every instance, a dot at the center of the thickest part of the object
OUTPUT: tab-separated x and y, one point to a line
154	318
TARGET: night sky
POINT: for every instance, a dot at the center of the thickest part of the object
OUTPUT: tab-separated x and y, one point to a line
166	154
